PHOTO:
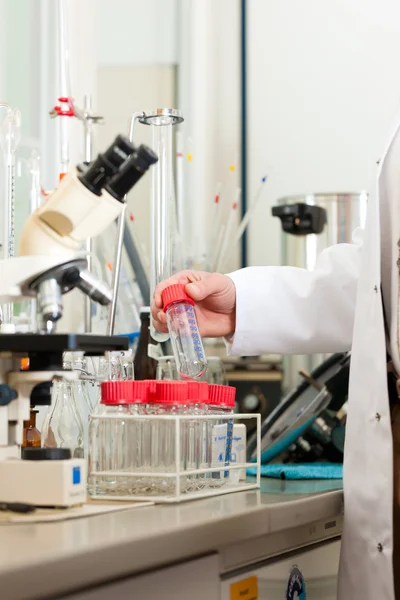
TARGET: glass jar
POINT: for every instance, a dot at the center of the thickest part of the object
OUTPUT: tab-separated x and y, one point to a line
196	445
164	398
31	435
221	401
116	440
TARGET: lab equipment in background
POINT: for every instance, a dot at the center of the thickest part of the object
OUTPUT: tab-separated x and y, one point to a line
119	190
227	241
117	366
64	427
215	372
162	196
31	435
9	140
50	265
59	479
155	440
166	369
325	389
311	223
145	362
184	333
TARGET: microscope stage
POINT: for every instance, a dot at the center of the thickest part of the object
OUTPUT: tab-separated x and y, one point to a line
91	345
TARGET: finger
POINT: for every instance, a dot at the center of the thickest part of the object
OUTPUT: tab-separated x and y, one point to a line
213	284
160	327
181	277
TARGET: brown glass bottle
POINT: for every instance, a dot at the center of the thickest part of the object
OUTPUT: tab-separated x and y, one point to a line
144	366
31	437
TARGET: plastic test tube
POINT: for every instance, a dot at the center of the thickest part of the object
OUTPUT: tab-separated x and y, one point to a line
184	333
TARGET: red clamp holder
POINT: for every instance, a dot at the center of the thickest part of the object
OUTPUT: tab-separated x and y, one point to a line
62	111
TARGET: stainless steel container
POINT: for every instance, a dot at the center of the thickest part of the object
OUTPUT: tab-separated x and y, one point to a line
311	223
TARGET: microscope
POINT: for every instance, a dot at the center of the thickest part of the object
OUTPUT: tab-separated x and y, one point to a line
49	265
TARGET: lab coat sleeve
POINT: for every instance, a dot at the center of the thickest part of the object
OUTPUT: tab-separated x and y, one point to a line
287	310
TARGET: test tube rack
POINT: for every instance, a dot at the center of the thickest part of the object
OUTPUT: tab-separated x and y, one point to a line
171	485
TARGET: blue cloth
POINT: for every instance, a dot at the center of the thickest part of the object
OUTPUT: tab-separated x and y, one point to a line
131	336
301	471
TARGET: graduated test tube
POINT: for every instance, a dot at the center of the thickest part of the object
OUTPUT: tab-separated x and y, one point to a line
184	333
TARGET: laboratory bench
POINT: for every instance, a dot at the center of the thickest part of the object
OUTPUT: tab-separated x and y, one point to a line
220	548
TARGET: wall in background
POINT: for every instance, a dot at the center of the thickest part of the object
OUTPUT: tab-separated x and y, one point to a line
133	32
324	86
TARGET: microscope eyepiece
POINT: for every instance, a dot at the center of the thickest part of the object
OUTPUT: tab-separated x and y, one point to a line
107	164
130	173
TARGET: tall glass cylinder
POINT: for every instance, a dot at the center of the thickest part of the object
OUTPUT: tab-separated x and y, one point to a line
161	208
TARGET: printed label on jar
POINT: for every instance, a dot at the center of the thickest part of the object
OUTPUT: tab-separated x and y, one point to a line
218	448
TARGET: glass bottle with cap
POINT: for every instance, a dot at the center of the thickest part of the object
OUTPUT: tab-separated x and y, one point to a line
184	333
108	441
31	434
196	435
145	366
221	401
116	441
164	398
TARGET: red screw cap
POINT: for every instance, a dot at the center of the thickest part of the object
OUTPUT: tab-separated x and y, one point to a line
175	293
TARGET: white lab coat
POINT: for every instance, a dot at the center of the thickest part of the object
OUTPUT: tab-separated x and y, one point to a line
336	307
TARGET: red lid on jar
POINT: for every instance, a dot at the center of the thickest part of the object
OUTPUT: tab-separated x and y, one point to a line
222	395
124	392
167	392
175	293
197	391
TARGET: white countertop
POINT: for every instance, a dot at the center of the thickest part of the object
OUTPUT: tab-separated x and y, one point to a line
41	560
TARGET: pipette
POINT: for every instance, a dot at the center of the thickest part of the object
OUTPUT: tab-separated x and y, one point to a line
66	107
9	140
228	242
180	196
246	219
220	208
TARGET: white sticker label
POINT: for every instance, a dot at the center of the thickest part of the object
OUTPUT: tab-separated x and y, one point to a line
218	448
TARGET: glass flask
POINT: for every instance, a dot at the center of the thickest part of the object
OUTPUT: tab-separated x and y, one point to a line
31	435
63	427
184	333
83	403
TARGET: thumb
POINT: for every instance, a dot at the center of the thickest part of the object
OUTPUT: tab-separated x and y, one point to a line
205	287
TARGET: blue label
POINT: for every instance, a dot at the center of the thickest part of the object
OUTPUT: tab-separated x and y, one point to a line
76	475
296	588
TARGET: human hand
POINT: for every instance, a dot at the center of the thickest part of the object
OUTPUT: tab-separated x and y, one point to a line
215	298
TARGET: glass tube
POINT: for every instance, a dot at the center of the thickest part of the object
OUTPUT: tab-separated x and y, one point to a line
161	207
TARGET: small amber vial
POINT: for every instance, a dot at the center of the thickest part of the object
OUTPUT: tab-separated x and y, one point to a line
32	438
